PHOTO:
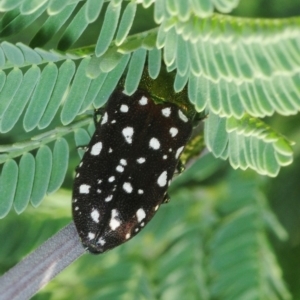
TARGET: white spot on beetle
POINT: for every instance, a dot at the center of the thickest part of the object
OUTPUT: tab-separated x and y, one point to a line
165	156
140	214
128	133
98	191
76	208
104	119
120	168
95	215
127	236
80	165
96	149
136	230
178	152
75	200
108	198
114	222
124	108
140	192
84	189
173	131
77	175
101	241
162	179
123	162
110	150
142	224
166	112
113	121
182	116
143	101
154	143
99	181
91	235
111	179
141	160
156	207
127	187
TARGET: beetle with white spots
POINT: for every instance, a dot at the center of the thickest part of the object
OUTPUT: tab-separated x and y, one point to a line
124	176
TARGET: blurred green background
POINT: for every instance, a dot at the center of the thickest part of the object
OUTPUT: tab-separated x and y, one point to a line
175	257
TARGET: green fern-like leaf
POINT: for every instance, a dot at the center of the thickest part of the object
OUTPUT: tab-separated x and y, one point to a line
248	143
59	165
25	182
234	70
18	103
9	177
242	262
35	176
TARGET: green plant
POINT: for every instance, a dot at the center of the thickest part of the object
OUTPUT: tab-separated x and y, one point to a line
239	70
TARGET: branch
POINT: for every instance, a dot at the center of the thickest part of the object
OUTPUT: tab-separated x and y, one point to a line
38	268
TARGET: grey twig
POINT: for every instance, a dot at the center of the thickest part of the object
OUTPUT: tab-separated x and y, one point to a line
39	267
